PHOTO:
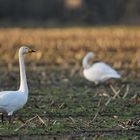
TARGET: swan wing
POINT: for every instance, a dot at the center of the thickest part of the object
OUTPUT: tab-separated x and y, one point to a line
11	100
117	76
104	71
102	68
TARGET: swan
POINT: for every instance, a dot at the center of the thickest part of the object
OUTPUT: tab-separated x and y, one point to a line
11	101
98	72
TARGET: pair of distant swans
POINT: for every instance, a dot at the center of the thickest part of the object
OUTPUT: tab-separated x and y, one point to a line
11	101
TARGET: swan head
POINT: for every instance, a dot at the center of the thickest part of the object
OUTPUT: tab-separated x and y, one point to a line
86	65
25	50
90	55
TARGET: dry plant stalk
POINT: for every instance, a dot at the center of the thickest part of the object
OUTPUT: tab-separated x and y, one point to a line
72	119
31	119
127	91
97	113
115	92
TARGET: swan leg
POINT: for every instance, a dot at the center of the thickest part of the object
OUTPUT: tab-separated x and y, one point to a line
10	119
10	114
2	118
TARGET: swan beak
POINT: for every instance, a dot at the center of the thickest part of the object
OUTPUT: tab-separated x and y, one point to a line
31	50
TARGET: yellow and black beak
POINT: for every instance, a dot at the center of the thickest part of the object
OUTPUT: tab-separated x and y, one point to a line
31	50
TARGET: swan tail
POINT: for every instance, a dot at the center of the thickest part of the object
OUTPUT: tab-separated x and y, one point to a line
116	76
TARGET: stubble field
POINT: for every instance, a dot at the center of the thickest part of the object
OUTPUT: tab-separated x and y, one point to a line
62	104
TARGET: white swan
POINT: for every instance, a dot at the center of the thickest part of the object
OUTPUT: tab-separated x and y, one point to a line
10	101
98	72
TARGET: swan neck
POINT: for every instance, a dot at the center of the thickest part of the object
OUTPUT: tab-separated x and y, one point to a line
23	80
86	59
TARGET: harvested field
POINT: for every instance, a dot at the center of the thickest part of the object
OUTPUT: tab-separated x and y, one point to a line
62	104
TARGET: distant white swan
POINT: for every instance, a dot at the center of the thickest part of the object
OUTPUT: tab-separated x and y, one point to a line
98	72
10	101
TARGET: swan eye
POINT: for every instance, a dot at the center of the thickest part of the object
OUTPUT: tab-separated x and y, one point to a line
26	50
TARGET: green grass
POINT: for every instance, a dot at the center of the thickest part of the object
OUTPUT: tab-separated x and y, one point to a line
68	105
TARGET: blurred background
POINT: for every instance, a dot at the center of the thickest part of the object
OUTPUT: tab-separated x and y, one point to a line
69	12
72	26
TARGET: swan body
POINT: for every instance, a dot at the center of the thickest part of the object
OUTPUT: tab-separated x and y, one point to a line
11	101
98	72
